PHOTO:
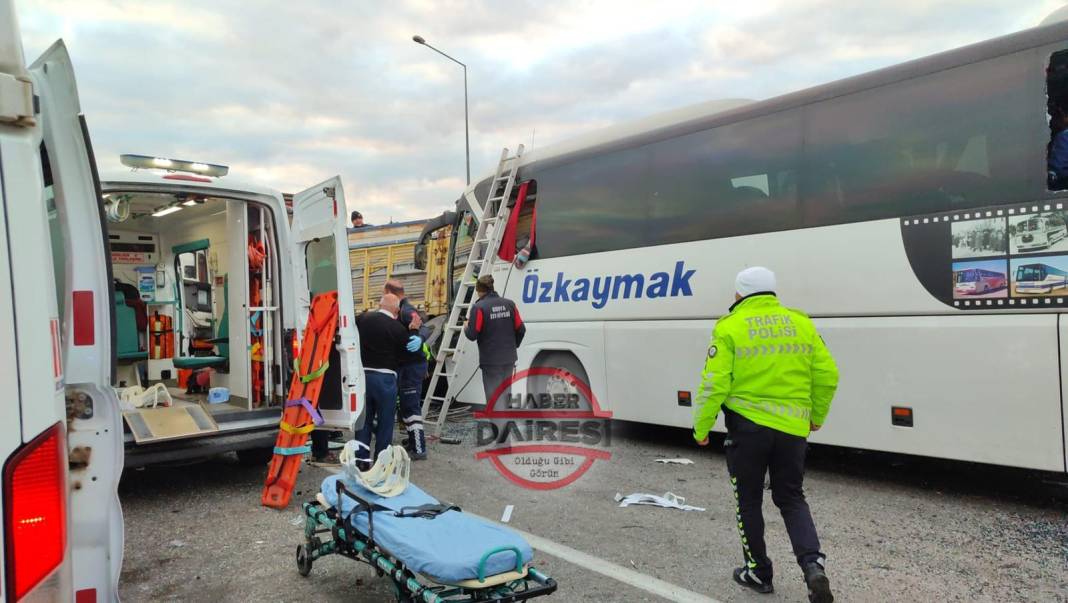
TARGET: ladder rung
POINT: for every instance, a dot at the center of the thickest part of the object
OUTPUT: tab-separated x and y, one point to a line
503	178
448	350
492	199
442	398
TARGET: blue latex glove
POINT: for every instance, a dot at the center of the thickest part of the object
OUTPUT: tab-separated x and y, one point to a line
414	343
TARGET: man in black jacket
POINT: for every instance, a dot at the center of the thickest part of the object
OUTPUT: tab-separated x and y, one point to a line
495	324
382	341
412	371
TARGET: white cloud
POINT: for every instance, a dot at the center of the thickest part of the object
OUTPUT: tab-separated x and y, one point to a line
289	94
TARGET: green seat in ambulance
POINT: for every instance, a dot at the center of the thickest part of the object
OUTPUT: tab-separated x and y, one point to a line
128	345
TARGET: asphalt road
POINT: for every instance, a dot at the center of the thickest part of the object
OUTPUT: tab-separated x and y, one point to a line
894	528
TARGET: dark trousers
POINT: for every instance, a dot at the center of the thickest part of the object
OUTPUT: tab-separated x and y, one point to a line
753	451
410	381
493	375
320	446
381	408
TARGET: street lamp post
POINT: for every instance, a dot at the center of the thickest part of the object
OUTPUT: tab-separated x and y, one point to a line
467	135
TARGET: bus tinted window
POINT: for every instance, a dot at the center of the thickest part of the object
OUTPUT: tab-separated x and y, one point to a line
596	204
734	179
964	137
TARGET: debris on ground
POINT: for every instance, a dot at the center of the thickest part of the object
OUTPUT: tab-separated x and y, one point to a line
669	500
679	461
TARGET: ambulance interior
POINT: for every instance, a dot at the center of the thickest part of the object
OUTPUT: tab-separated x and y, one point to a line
198	328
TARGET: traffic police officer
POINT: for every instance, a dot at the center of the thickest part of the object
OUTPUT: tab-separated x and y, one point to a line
770	371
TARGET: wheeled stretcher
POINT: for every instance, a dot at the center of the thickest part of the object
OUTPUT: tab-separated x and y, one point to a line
433	553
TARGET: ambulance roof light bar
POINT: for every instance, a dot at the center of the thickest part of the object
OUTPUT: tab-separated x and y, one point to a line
146	162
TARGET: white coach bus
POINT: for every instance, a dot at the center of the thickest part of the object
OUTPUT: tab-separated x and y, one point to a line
851	192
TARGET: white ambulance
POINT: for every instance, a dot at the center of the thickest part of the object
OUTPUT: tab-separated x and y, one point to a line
85	372
209	283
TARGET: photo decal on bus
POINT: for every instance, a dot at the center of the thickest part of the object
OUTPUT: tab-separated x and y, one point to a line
1002	257
978	238
1044	232
1040	276
980	279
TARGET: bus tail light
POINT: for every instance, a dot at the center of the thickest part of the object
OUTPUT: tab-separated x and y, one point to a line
35	518
901	416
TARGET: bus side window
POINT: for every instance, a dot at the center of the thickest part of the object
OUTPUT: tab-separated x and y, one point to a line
1057	109
521	236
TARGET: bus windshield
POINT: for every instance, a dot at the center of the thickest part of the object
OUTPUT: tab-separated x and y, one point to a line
1032	272
1030	225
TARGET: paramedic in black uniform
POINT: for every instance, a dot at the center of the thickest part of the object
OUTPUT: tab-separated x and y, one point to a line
495	324
413	364
382	342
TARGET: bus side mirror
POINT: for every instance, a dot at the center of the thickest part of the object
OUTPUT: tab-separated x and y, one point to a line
420	255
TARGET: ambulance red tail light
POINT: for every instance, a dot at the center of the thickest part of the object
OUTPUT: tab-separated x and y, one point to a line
35	512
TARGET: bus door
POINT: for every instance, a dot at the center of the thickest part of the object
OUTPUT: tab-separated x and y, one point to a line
82	269
320	257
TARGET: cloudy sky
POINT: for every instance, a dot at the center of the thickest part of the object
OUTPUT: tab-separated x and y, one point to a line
290	93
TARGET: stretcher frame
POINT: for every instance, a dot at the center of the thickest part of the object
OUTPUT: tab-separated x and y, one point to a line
320	518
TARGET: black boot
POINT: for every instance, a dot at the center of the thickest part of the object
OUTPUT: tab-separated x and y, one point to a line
819	587
417	444
747	578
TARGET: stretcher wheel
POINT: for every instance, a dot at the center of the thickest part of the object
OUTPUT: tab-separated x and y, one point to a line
304	560
402	597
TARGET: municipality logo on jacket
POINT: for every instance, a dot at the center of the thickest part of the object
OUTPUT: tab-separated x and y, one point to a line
599	290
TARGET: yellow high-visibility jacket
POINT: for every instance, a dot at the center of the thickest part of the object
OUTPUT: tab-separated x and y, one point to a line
767	363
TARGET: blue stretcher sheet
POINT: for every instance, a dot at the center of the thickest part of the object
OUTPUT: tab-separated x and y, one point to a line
447	548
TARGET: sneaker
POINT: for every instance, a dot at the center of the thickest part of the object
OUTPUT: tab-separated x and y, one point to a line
819	587
746	577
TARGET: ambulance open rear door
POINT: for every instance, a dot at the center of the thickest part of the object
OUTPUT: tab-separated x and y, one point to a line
320	257
94	428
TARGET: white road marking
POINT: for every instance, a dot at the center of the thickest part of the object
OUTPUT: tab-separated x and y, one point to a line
608	569
618	573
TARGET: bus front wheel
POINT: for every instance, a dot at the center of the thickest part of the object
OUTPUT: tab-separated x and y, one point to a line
558	382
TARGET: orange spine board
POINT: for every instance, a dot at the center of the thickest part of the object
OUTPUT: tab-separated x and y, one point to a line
314	351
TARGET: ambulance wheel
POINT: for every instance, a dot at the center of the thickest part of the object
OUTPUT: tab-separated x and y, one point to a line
304	560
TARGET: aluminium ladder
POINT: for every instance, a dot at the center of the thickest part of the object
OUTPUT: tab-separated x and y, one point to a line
493	216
